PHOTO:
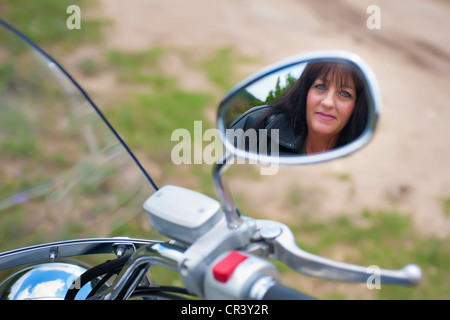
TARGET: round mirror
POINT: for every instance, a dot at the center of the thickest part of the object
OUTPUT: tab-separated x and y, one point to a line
306	109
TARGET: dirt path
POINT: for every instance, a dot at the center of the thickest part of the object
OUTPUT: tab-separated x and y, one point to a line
406	166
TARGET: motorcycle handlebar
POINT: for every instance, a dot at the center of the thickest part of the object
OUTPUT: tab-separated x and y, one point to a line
268	288
279	291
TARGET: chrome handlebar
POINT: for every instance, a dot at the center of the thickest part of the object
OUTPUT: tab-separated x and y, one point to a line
256	240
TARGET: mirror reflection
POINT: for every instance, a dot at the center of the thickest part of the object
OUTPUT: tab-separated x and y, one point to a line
305	109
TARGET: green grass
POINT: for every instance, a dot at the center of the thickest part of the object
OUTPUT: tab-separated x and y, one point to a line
148	120
44	21
446	206
220	67
20	141
140	67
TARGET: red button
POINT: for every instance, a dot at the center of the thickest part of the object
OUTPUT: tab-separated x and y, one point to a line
223	270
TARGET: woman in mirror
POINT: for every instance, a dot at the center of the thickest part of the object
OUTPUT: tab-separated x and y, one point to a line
325	108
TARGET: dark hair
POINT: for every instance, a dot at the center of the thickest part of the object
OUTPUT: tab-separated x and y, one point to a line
293	102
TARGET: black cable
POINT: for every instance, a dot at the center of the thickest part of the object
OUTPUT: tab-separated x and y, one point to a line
110	266
163	288
99	284
154	294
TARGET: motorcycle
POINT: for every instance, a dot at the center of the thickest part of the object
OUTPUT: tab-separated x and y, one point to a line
63	163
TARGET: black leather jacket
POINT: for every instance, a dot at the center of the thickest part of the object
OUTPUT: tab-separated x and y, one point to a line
288	141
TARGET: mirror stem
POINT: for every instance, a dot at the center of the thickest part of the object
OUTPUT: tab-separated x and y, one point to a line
233	217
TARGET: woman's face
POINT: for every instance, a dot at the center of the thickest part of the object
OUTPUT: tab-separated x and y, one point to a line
329	105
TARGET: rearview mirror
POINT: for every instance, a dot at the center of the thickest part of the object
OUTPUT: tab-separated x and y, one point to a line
306	109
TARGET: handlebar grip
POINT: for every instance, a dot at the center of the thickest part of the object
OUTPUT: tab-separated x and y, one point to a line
280	292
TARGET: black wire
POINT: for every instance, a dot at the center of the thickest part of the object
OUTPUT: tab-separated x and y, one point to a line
100	284
157	288
154	294
110	266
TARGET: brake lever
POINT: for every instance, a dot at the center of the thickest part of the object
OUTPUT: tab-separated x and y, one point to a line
285	249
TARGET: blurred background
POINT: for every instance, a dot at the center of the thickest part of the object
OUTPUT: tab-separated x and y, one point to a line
153	66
